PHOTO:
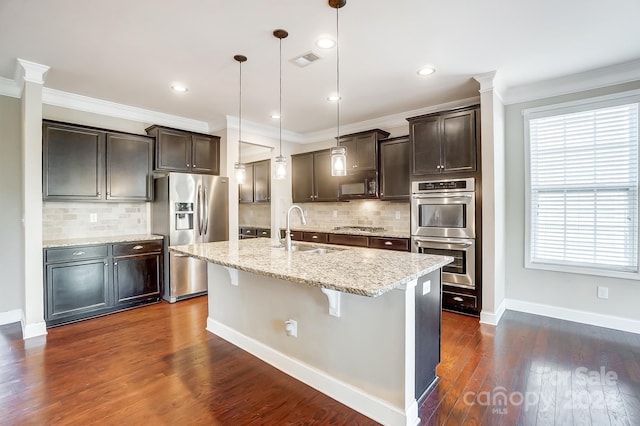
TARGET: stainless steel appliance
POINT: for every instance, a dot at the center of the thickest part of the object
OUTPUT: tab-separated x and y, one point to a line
443	223
189	209
360	185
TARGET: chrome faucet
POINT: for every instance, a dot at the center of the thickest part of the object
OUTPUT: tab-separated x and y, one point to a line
287	237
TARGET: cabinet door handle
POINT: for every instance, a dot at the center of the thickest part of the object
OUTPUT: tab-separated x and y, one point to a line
388	243
194	165
264	232
458	299
138	247
187	164
248	232
315	237
78	253
105	264
115	263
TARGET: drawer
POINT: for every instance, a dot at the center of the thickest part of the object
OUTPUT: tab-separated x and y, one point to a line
401	244
75	253
457	300
349	240
252	232
315	237
262	232
138	247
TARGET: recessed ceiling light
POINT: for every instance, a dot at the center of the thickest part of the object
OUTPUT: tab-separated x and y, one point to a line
325	42
333	98
426	71
180	88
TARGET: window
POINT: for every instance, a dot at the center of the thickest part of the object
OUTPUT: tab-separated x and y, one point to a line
582	186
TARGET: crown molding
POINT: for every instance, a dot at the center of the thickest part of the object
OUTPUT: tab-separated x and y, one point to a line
388	121
593	79
112	109
263	130
29	71
9	87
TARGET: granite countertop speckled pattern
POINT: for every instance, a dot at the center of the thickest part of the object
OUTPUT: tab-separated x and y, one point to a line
361	271
99	240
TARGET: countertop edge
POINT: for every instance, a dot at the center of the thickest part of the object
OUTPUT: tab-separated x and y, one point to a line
87	241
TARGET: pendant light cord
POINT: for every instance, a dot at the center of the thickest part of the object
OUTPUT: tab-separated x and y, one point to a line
338	76
240	120
281	97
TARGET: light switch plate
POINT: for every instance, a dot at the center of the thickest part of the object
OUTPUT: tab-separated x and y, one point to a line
397	214
93	217
426	287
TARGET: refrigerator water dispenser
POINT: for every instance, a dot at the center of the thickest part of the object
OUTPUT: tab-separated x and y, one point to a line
184	216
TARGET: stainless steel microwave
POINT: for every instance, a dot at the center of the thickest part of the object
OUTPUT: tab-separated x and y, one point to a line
358	186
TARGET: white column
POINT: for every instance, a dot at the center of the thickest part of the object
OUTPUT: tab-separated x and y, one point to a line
30	78
493	199
231	158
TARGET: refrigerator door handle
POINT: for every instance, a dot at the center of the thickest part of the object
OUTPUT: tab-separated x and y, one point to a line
199	209
205	205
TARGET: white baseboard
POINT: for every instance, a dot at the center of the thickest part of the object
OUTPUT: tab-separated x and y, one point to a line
584	317
33	330
10	317
351	396
493	318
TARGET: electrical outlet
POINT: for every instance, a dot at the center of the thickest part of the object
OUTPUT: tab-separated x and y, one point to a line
397	214
335	213
93	217
603	292
426	287
291	328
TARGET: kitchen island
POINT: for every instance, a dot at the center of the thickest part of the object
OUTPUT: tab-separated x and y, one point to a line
366	321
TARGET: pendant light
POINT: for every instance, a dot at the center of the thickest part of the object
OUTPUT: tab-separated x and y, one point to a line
240	170
281	162
338	153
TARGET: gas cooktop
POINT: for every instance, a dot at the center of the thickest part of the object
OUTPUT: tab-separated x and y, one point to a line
359	228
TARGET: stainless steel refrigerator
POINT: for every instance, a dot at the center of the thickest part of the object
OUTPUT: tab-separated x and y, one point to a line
189	209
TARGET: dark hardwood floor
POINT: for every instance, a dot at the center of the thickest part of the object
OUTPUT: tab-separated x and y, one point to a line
157	365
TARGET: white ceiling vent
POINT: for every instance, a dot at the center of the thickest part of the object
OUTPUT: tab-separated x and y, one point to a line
305	59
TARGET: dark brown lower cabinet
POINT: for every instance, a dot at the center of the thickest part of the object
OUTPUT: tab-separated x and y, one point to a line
82	282
76	290
136	278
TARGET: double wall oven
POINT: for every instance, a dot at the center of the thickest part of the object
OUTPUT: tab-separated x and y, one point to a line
443	222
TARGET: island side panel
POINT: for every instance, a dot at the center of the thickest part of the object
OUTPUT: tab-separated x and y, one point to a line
428	328
364	347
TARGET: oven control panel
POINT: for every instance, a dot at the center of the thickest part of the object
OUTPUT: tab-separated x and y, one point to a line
443	185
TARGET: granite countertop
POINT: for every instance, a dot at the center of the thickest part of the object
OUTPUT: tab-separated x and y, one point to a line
362	271
332	230
85	241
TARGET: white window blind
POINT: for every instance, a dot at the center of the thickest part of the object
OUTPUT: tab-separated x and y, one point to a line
583	188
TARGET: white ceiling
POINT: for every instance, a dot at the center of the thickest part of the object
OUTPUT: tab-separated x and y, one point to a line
130	52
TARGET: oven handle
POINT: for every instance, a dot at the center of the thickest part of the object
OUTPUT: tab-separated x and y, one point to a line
425	196
442	243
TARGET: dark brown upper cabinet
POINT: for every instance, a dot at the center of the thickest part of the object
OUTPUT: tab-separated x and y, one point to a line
257	186
88	164
362	150
394	168
182	151
445	142
311	178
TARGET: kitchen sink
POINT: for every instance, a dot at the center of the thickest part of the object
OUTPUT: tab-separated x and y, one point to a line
303	248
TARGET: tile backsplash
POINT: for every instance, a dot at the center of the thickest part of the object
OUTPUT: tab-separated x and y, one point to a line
72	219
393	216
258	215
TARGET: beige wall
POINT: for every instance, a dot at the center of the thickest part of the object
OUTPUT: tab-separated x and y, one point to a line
11	249
560	290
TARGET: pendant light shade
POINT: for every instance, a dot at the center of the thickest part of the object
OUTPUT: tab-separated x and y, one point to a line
239	167
338	153
280	162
